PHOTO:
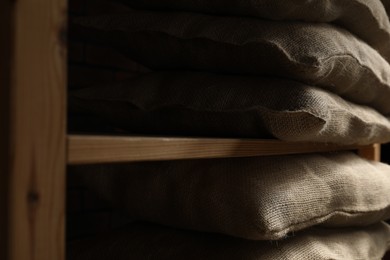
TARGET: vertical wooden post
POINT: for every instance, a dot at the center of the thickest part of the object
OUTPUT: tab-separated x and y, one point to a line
34	151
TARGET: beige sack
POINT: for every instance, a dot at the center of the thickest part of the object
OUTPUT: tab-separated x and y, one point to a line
316	54
255	198
365	18
205	104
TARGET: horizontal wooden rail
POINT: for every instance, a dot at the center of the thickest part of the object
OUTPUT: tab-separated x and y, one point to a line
371	152
88	149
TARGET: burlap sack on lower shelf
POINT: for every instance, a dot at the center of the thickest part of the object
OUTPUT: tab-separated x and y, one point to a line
313	53
254	198
202	104
154	242
366	19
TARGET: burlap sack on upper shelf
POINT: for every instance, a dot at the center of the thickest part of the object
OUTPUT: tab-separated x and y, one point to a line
204	104
366	19
258	198
155	242
316	54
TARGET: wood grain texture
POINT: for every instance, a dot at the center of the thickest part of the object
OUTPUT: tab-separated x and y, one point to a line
105	149
371	152
37	131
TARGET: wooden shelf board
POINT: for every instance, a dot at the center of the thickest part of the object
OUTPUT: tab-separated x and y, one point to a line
88	149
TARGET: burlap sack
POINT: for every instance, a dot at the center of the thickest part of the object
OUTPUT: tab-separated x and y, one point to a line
366	19
253	198
154	242
202	104
316	54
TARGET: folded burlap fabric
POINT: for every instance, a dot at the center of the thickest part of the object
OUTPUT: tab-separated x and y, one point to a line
366	19
155	242
254	198
316	54
203	104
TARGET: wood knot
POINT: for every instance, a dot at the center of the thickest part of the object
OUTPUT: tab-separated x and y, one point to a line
33	198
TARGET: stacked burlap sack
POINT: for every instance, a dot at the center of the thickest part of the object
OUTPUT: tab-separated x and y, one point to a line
337	199
303	71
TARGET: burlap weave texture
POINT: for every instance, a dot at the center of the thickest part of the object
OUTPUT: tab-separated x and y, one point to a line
254	198
316	54
366	19
203	104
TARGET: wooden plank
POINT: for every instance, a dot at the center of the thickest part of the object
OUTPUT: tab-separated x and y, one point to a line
105	149
37	134
5	77
371	152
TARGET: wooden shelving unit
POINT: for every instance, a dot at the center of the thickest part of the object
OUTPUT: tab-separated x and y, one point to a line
34	35
106	149
35	148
